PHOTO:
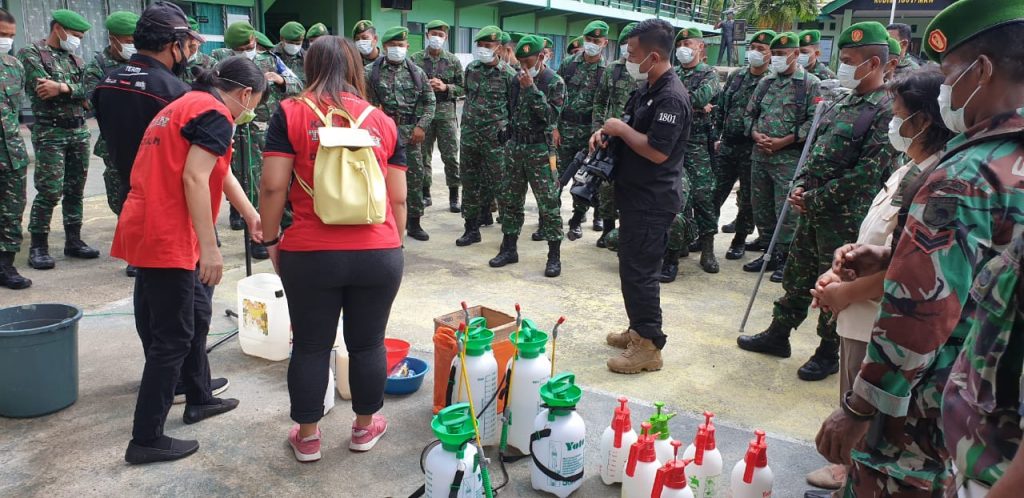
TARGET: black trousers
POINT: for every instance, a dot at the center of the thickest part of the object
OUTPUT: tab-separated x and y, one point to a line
319	284
172	316
643	237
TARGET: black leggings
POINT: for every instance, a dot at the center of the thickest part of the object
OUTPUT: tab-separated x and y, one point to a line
319	285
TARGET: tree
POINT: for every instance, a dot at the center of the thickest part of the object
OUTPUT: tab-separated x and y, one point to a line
779	15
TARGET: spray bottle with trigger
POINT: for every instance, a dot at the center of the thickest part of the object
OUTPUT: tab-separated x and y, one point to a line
752	477
485	475
615	444
659	424
671	479
642	467
706	469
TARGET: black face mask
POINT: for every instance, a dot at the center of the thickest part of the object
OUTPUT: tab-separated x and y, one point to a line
179	66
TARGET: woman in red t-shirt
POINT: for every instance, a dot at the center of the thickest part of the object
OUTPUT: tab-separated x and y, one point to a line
180	175
327	268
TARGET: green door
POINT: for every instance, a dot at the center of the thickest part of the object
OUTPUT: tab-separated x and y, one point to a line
211	22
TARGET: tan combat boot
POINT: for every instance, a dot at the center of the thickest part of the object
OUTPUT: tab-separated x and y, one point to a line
640	355
618	339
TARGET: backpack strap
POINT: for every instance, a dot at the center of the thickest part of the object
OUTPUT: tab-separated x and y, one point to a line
362	117
537	436
415	72
617	72
801	96
45	57
375	73
570	69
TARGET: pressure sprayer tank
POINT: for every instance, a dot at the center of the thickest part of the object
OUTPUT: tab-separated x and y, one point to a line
453	426
642	466
561	435
659	426
264	327
671	481
618	437
482	370
532	370
752	477
706	470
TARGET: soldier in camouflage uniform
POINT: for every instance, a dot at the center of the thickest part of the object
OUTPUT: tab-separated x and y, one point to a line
485	117
316	31
532	156
54	83
894	57
902	33
810	50
736	145
364	34
582	74
444	73
120	28
849	162
610	102
778	119
240	39
574	47
400	88
198	58
699	218
14	166
289	50
957	216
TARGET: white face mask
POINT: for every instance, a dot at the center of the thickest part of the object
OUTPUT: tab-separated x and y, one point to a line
435	42
633	68
591	49
624	50
71	43
954	119
755	58
898	141
780	63
127	50
6	44
397	54
803	59
249	54
535	70
291	49
483	54
847	75
684	55
365	47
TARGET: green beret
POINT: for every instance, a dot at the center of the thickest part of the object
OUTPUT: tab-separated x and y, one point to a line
785	40
505	37
689	33
810	37
398	33
238	34
488	34
316	30
360	26
962	21
194	24
516	36
292	31
864	34
597	29
263	41
575	43
548	43
121	23
624	33
438	24
529	46
71	20
894	47
765	36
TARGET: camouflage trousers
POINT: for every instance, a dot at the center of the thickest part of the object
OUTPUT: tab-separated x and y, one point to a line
681	232
414	171
481	168
699	216
111	178
12	207
62	164
574	139
529	166
769	188
733	165
254	141
607	210
446	134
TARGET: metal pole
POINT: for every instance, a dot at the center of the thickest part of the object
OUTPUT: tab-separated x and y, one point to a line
892	13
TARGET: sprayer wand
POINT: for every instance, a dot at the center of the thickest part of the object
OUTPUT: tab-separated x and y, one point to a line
554	342
472	410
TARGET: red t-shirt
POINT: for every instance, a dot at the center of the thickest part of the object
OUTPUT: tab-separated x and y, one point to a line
292	133
155	228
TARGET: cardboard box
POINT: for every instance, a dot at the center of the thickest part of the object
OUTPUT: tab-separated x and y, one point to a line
502	324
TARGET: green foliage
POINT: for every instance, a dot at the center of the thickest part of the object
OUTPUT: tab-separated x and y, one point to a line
778	14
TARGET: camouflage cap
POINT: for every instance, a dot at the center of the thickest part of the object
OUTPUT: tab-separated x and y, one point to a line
238	34
894	47
624	33
810	37
359	27
785	40
437	24
488	34
597	29
964	20
318	29
689	33
263	41
864	34
121	23
292	31
529	46
71	20
765	36
397	33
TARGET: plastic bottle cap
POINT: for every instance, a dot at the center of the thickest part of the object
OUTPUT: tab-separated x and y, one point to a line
530	341
621	423
659	421
561	391
478	340
453	426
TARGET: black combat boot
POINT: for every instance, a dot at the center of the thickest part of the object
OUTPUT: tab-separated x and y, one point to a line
257	251
453	200
235	219
694	246
39	252
537	236
738	247
73	245
598	224
427	201
553	268
508	253
730	228
471	235
707	254
9	276
414	230
779	260
669	267
609	225
575	231
755	265
773	341
486	218
825	362
758	245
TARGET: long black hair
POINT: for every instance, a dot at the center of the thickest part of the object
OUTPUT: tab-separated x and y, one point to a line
919	92
231	74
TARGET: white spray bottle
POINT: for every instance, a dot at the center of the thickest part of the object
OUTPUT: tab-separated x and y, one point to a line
752	477
659	425
671	479
642	467
706	470
615	443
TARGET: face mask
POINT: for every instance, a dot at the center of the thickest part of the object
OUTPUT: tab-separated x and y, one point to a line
847	75
954	119
591	49
756	59
249	54
6	44
685	55
803	59
780	63
71	43
483	54
127	50
396	54
178	68
633	69
364	46
898	141
435	42
535	70
247	115
291	49
624	49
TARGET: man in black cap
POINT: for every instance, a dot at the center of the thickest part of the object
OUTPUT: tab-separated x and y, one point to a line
125	102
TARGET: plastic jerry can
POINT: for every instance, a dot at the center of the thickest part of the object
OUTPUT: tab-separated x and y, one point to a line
482	370
616	440
561	436
532	370
752	477
453	426
264	328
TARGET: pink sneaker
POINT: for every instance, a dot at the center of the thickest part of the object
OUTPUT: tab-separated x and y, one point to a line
364	438
306	449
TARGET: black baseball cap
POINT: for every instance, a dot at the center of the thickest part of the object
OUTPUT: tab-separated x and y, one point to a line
165	17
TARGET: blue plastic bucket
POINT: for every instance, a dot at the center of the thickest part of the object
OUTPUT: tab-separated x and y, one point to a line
38	359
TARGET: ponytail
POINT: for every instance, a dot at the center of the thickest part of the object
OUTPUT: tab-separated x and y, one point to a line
231	74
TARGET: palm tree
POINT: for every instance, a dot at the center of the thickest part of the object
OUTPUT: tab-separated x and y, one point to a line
777	14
